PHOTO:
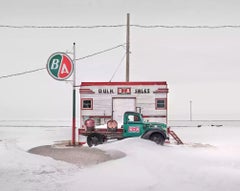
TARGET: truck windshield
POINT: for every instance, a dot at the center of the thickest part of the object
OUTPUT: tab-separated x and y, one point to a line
133	118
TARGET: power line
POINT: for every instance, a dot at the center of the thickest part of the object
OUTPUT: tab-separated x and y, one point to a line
59	27
22	73
118	67
101	52
39	69
119	26
186	26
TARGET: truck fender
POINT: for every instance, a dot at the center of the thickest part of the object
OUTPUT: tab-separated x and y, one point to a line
149	132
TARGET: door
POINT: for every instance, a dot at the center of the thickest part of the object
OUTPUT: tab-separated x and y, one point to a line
133	125
121	105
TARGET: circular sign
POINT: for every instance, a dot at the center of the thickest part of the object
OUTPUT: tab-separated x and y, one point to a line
60	66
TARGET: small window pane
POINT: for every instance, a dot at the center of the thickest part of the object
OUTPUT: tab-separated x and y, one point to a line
87	104
160	104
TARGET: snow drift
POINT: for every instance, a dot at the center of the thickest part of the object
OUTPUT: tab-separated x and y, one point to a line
209	161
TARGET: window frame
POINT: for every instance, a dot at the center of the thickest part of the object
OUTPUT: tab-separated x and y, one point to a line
86	99
165	103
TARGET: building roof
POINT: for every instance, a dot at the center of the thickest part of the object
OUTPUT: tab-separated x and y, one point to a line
122	83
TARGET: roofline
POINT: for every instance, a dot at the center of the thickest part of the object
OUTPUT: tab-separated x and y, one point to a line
122	83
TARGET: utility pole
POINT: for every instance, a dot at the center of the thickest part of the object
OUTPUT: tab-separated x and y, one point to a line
74	97
128	47
190	110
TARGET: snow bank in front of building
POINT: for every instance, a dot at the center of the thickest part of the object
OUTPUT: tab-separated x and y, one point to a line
209	161
24	171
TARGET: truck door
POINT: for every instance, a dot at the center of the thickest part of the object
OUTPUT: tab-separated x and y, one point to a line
133	126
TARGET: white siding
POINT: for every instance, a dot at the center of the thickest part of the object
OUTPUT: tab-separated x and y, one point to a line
120	105
146	100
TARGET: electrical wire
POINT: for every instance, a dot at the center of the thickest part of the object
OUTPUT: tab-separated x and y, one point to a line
186	26
59	27
106	26
118	67
119	26
39	69
22	73
101	52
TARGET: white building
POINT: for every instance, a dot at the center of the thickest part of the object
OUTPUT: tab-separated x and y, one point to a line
103	101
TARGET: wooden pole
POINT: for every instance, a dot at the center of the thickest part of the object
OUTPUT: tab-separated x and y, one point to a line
128	47
190	110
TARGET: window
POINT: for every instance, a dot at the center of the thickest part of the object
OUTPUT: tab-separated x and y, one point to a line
87	103
133	118
161	103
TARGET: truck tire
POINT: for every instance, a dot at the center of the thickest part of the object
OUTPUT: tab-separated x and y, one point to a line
95	139
157	138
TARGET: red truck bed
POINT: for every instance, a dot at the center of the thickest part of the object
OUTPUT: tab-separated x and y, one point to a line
118	134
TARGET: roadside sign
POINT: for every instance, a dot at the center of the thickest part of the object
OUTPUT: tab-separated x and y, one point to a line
60	66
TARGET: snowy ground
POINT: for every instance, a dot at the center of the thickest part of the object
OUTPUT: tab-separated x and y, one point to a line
209	161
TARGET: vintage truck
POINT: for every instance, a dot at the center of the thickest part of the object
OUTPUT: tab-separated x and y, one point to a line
133	126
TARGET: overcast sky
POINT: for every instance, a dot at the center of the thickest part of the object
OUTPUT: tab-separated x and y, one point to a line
201	65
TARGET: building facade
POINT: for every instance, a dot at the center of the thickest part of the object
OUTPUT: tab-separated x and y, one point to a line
103	101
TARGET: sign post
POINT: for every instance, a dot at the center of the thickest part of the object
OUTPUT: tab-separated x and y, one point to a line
60	66
74	97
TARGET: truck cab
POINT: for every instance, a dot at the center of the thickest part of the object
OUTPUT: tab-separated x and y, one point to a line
135	126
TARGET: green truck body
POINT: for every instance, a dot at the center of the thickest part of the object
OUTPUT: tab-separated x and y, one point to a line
133	126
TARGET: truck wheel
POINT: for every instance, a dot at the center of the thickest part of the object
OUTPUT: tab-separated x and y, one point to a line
95	139
157	138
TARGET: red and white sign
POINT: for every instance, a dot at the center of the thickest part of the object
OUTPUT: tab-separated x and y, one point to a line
60	66
124	90
133	129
